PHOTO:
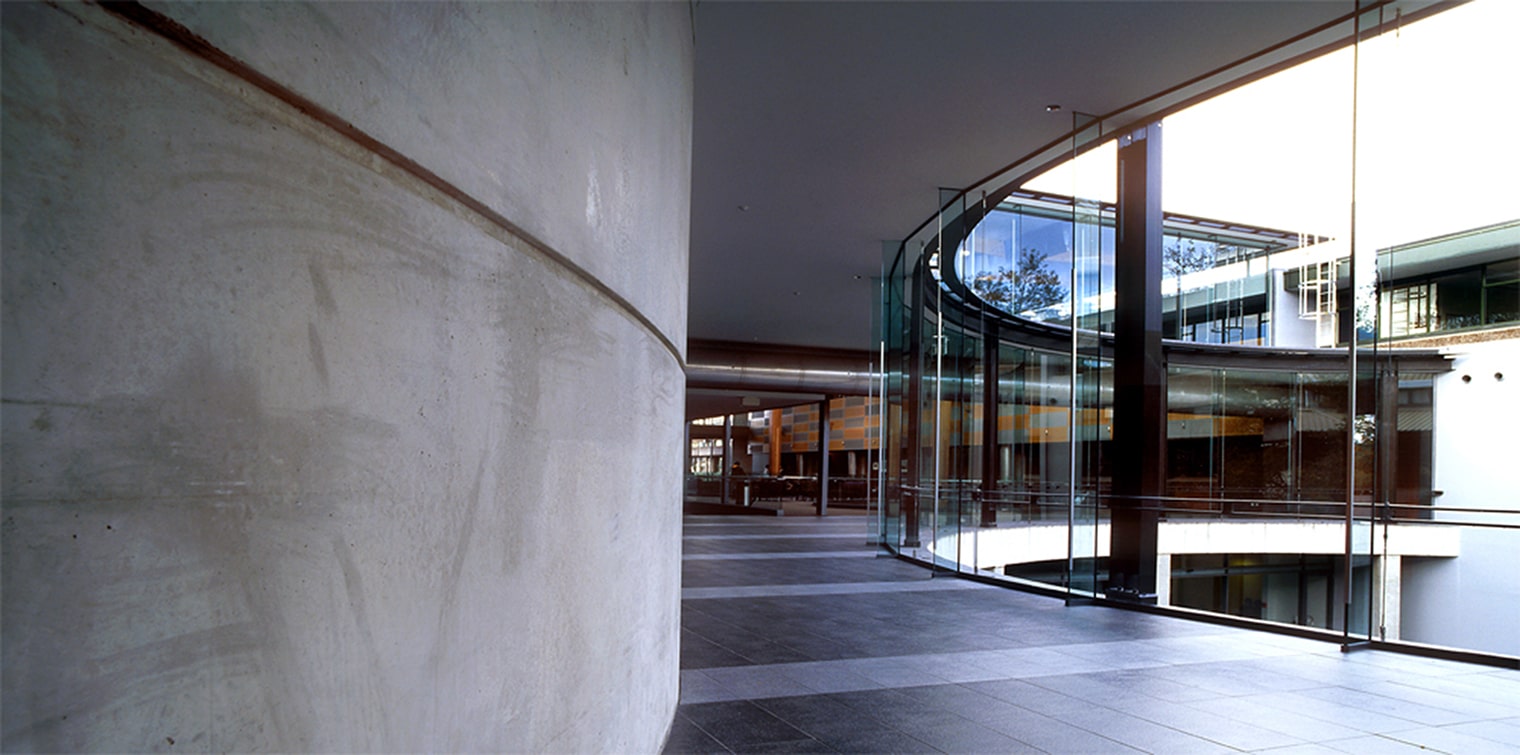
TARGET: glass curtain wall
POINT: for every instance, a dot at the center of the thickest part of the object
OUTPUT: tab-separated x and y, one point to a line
1325	467
1424	462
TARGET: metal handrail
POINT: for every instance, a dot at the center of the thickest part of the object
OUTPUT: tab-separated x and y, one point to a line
1228	508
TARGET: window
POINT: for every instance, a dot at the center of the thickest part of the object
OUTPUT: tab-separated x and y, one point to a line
1501	292
1407	310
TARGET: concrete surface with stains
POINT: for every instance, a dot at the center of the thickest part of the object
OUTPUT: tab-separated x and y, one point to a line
300	452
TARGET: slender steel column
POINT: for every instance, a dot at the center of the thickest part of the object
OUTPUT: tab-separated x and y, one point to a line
728	456
823	457
1386	440
989	479
913	407
1139	445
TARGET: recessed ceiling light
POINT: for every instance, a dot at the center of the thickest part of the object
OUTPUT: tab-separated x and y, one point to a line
1052	108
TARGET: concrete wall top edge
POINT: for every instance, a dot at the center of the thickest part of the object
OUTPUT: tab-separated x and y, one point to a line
588	165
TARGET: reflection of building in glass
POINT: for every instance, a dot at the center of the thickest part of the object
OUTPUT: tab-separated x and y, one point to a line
1230	283
782	444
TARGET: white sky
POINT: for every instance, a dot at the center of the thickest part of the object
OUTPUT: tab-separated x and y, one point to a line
1438	139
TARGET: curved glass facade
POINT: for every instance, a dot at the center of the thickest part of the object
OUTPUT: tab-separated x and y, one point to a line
1234	373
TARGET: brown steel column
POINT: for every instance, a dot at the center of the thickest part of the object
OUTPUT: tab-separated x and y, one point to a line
1139	444
775	443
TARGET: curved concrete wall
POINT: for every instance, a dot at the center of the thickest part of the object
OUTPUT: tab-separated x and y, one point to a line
302	452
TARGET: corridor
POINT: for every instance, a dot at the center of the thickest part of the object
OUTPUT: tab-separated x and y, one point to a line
795	637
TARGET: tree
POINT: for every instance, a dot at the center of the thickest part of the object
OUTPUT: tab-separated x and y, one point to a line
1181	259
1030	287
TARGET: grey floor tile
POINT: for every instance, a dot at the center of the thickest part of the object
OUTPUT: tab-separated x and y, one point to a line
1499	687
1113	655
1303	749
754	682
1505	731
698	687
1477	706
1045	661
1027	695
1226	679
895	671
1445	739
1326	708
1214	728
1136	732
1117	688
1261	713
1373	744
1411	665
1050	735
828	676
1426	715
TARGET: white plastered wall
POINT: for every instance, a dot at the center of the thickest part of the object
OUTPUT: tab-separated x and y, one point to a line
1472	602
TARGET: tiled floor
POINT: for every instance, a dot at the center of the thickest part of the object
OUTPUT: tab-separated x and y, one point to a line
796	639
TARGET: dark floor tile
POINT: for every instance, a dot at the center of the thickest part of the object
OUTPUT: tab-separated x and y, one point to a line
698	652
798	746
1025	695
821	716
969	738
686	738
880	741
816	648
955	698
741	723
758	649
899	711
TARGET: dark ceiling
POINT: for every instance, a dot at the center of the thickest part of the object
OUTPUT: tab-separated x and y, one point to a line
824	128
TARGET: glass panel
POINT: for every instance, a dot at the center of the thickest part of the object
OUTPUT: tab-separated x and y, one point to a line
897	314
1091	283
1032	500
1501	292
1438	207
921	518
